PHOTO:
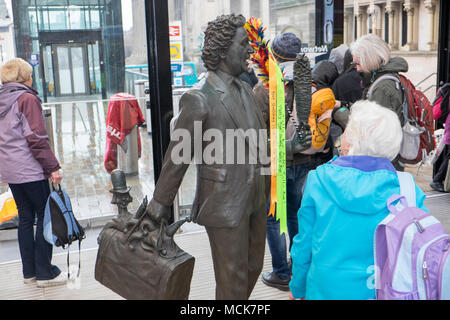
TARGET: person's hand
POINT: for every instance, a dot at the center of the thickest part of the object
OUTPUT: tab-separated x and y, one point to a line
325	116
156	211
56	177
338	104
291	297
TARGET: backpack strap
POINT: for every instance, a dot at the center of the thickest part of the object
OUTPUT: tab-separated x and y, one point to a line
407	187
57	198
405	108
71	216
376	82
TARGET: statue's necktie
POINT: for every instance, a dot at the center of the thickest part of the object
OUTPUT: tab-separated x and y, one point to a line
243	99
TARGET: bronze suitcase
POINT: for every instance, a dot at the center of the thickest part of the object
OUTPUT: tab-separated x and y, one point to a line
140	261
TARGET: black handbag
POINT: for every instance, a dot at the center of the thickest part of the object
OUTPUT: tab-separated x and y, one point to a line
140	260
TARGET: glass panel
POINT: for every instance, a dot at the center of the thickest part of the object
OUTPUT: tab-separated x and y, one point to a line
48	69
78	70
77	17
65	76
57	19
92	49
94	19
33	23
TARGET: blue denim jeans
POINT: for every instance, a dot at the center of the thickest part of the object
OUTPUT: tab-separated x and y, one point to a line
295	180
35	251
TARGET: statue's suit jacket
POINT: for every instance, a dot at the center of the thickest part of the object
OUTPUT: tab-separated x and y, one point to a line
225	192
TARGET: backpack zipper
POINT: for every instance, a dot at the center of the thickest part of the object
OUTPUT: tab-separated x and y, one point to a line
426	280
425	273
441	268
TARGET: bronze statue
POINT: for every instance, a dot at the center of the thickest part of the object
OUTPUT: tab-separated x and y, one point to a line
230	198
138	258
121	192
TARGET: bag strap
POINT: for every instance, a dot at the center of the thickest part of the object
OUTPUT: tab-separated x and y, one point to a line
376	82
407	187
56	197
79	260
405	108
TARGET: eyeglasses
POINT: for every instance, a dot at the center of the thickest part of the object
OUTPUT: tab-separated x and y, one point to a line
354	64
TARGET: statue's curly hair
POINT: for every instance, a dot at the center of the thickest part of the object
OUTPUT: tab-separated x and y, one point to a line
219	36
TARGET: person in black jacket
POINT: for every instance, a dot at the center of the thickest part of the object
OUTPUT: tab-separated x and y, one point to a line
347	87
249	76
324	74
347	90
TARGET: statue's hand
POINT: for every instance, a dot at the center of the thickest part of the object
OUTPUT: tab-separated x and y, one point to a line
302	141
156	211
298	143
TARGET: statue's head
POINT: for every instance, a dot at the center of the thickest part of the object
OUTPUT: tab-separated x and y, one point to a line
226	45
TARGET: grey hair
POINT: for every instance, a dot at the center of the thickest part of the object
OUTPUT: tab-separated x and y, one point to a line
372	51
373	130
16	70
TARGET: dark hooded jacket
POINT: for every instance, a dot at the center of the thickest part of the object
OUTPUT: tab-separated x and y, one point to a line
387	93
324	74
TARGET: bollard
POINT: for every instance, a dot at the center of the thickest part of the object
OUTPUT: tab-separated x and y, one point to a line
49	126
127	154
139	89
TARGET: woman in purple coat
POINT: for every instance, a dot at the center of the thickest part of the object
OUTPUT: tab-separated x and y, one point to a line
26	164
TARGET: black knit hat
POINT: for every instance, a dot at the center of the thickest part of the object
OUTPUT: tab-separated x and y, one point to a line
286	46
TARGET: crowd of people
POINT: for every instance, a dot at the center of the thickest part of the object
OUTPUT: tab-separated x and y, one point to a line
325	211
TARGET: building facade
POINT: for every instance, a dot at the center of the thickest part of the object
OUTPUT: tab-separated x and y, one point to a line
308	19
7	46
411	27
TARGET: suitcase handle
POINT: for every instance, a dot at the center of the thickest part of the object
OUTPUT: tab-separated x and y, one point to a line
169	231
164	228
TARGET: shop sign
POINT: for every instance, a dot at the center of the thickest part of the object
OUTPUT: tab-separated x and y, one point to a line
176	52
34	59
175	31
176	67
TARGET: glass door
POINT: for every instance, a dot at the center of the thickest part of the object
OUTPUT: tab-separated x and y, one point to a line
72	72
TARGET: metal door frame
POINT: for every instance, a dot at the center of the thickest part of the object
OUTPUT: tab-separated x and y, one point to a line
83	46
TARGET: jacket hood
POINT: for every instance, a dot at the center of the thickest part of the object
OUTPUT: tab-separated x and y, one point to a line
396	64
324	74
9	93
337	56
359	184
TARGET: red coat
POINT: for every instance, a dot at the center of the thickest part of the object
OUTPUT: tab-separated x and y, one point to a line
123	115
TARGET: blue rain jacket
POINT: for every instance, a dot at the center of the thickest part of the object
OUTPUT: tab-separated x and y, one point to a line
343	202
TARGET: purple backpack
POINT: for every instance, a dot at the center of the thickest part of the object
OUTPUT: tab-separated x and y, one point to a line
411	251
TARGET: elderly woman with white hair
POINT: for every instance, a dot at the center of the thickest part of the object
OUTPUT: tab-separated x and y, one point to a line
372	59
26	164
343	202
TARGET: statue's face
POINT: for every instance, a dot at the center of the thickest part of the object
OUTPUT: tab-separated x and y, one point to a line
236	60
121	199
